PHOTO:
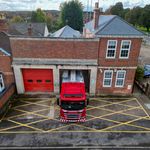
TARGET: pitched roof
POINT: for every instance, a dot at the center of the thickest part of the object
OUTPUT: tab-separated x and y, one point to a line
38	29
66	32
5	42
112	25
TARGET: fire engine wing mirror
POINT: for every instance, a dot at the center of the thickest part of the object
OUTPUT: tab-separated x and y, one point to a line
58	100
87	100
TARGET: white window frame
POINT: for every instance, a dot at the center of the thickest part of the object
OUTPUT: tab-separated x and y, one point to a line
107	78
125	49
3	86
120	78
111	49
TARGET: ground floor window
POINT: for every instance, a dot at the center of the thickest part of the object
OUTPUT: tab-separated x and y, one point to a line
120	78
1	83
107	80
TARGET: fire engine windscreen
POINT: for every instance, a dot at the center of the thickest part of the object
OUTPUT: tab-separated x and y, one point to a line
73	105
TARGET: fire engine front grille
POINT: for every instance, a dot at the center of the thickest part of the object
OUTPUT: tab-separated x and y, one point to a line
73	116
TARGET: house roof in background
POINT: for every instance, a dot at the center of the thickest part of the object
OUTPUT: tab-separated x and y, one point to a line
5	42
114	26
38	29
66	32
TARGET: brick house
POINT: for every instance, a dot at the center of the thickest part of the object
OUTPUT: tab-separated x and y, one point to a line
107	54
7	86
119	47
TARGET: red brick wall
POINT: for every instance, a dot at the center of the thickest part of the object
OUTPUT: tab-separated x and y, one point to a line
129	79
131	62
7	72
61	49
133	56
4	98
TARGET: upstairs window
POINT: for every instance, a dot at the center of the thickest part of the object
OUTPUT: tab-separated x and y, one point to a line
111	48
107	79
120	78
1	83
125	49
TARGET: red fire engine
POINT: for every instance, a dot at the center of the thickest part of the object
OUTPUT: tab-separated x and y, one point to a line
72	100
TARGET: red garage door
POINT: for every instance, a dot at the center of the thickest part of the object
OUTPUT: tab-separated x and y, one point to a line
38	80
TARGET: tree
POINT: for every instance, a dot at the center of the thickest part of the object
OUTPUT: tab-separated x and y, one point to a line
38	16
72	14
139	73
17	19
117	9
145	17
133	15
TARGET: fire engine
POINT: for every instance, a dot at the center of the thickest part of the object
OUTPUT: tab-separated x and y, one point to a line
72	100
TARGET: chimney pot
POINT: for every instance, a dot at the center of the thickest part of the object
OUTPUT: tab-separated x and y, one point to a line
96	5
30	30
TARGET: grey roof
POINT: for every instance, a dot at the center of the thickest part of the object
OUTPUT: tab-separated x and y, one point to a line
66	32
38	29
112	25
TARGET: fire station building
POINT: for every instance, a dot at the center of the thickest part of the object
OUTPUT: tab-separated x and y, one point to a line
107	53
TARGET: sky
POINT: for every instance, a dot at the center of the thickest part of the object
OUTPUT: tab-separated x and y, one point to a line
13	5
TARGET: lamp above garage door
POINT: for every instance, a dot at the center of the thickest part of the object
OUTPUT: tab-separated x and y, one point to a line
38	80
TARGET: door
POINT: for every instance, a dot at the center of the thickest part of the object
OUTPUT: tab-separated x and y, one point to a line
38	80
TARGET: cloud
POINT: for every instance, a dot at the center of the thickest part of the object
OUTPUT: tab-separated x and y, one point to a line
54	4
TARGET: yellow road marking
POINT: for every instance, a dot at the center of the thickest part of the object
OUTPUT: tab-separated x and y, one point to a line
26	113
25	125
123	112
98	131
10	128
112	103
143	108
111	113
127	123
34	112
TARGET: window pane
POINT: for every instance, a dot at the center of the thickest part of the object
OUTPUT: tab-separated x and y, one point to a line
121	75
124	53
108	74
125	44
107	82
119	82
1	83
111	53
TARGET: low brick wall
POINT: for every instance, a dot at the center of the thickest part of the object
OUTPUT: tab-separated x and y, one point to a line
5	95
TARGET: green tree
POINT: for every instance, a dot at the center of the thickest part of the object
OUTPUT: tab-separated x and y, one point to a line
72	14
17	19
117	9
139	73
38	16
133	15
144	18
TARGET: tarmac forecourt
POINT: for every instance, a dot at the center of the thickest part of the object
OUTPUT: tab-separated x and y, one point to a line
104	115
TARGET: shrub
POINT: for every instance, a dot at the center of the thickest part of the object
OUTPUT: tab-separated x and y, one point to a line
139	73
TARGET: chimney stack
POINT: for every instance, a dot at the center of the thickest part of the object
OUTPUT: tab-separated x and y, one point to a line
30	29
96	15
